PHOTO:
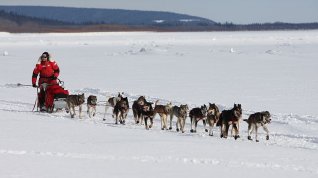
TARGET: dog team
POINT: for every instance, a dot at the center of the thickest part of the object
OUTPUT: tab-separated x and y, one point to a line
144	113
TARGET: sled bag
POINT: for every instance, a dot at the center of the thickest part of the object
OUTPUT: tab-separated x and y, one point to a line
53	91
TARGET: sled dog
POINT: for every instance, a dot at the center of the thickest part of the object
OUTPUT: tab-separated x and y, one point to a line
148	114
197	114
121	110
181	113
163	111
213	114
111	102
138	108
228	118
91	105
257	120
74	101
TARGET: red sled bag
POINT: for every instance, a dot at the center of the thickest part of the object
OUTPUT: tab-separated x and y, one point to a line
54	92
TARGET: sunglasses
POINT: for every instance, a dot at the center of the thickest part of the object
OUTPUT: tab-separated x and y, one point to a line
43	57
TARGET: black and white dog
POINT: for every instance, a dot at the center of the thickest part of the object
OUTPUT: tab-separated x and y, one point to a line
197	114
91	105
121	110
111	102
256	120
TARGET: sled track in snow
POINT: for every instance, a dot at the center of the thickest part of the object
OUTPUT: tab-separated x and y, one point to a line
164	159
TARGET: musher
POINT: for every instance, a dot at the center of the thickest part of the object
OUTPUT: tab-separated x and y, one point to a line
49	71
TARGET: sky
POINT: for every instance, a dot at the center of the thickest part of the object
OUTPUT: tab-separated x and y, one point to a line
236	11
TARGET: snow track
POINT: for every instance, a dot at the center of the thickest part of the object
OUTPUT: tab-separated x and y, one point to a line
288	130
166	159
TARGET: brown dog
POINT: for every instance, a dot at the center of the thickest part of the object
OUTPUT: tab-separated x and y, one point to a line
75	100
163	111
181	113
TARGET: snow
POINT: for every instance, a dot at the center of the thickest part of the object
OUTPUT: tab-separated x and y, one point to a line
5	53
274	71
189	20
159	21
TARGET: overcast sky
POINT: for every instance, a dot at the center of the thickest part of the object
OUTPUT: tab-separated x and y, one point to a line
236	11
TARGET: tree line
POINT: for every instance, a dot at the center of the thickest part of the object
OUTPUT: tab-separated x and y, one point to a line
21	20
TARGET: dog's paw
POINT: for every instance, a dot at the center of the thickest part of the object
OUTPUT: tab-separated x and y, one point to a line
257	140
249	137
211	134
267	137
236	137
206	130
177	130
170	128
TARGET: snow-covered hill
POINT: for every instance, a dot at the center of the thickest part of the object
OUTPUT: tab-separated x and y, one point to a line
106	16
274	71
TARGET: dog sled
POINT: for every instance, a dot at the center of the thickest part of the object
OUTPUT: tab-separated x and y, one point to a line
53	99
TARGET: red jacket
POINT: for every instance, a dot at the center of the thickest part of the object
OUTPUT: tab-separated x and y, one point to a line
47	70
